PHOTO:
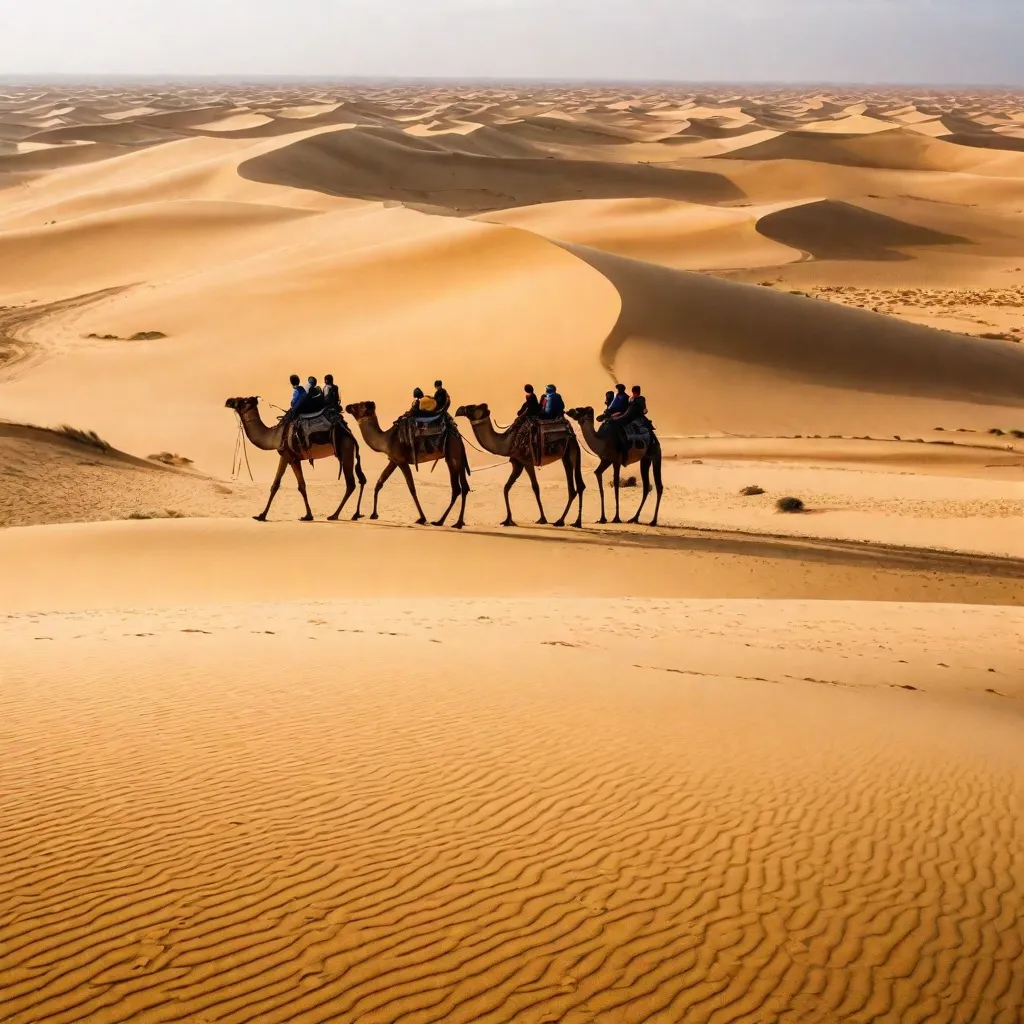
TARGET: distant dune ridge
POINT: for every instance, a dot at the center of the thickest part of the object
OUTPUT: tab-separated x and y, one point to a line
742	767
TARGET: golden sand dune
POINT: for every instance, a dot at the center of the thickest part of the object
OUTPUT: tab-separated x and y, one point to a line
744	766
299	843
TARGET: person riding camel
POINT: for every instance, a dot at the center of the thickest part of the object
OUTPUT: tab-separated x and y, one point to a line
332	396
314	397
531	406
442	400
421	405
298	395
635	412
552	406
615	406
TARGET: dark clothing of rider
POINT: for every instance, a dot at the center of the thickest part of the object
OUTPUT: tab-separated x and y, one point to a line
530	407
442	400
636	409
332	396
552	406
619	404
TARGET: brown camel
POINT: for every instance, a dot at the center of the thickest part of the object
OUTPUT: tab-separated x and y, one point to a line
395	446
521	454
606	450
277	438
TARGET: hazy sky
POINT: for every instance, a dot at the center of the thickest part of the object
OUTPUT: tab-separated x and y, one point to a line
942	41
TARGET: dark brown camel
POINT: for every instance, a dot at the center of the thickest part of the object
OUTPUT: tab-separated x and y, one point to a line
524	458
606	450
394	444
279	439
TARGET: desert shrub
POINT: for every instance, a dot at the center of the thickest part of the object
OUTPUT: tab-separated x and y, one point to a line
87	437
1017	433
996	431
790	504
751	491
170	459
630	481
147	336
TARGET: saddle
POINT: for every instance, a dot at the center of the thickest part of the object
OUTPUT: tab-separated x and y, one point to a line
540	438
425	435
637	435
313	428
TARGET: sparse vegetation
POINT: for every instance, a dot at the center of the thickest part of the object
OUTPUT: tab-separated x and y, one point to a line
790	504
138	336
86	437
168	513
630	481
751	491
170	459
996	431
1017	434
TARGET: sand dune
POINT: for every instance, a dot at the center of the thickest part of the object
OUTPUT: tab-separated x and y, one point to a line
743	766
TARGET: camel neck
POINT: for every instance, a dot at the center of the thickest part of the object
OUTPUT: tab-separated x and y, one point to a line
268	439
590	433
376	438
490	440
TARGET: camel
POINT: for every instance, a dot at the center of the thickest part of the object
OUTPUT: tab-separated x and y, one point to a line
401	456
605	449
276	439
523	457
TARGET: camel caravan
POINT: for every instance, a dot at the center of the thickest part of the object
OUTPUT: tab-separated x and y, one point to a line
314	427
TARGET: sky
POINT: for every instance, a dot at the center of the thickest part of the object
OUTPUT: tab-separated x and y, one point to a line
946	42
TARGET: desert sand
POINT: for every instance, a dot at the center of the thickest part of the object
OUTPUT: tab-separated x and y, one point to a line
742	766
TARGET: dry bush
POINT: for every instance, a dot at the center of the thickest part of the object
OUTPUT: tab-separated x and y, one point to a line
790	504
87	437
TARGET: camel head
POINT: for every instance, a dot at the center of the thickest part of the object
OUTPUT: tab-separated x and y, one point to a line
361	410
581	414
241	405
474	413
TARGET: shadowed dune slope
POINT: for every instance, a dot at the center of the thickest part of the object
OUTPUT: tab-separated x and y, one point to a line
830	230
718	355
894	149
429	173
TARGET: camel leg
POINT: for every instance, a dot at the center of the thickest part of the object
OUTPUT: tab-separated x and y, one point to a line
346	459
645	476
531	472
580	488
464	489
599	473
517	472
382	480
301	480
656	463
567	463
281	467
616	468
454	476
407	473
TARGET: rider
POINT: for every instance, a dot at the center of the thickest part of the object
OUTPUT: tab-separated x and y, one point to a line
530	407
616	403
552	406
442	400
636	412
421	405
298	393
332	397
314	397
